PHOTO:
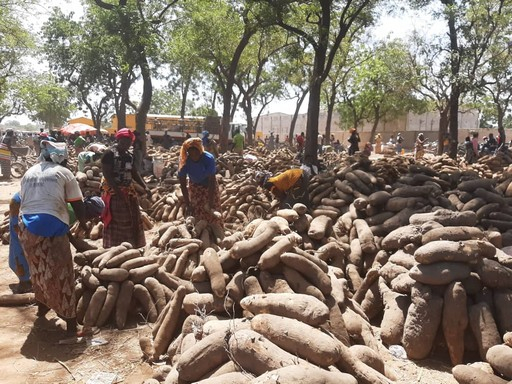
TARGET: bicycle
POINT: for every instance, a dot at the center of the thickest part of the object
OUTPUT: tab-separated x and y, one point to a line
19	163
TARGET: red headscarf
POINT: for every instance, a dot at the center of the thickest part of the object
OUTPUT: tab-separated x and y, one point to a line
125	132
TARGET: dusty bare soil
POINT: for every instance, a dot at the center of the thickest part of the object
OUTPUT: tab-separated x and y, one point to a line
30	353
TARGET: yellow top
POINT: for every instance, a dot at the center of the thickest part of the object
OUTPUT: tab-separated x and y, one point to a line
286	180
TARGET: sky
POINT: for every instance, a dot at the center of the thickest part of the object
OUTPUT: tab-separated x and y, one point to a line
397	26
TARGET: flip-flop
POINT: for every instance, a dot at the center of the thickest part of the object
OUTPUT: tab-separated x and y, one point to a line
88	332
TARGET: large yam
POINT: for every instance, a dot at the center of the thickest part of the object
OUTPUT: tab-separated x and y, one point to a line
469	251
484	328
472	185
298	338
207	303
402	236
303	374
109	304
372	304
395	312
455	320
465	374
310	270
123	302
228	378
445	217
422	322
274	284
256	354
169	322
494	275
368	356
142	295
503	309
248	247
95	305
213	268
305	308
439	273
398	220
500	358
270	258
365	236
364	374
202	357
453	234
319	227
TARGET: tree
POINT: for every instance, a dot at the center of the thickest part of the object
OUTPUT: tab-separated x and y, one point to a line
386	84
165	102
295	64
136	24
493	88
220	31
257	74
471	26
15	44
315	23
82	60
45	100
185	64
430	62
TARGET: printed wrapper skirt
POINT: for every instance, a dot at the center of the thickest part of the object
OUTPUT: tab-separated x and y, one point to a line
51	270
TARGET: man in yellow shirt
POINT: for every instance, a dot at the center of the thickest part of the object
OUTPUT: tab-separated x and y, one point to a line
289	187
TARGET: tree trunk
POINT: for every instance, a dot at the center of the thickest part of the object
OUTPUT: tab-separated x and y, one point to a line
247	107
123	98
226	115
295	116
376	120
501	128
443	129
184	95
330	111
255	127
228	90
311	149
455	91
236	99
145	103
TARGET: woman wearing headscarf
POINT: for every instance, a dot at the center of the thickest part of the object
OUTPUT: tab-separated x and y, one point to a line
419	149
121	217
201	193
378	143
46	188
354	141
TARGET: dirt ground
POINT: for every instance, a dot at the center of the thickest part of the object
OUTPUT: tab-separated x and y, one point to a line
30	353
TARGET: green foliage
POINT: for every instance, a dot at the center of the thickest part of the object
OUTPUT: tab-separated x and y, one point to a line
165	102
15	44
45	100
380	85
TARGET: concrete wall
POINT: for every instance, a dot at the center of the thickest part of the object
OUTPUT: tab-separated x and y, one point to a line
408	125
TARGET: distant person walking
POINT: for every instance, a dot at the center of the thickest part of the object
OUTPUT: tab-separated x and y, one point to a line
378	143
271	145
419	149
320	143
399	141
354	141
238	142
